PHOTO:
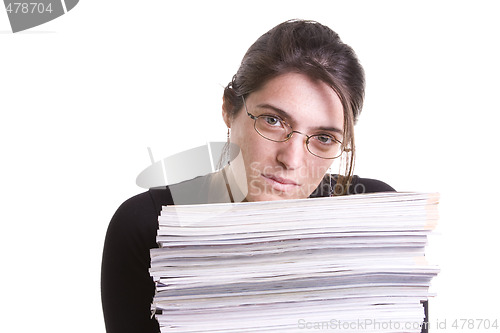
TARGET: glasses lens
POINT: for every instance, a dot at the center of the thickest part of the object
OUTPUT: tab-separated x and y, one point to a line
324	146
275	129
272	127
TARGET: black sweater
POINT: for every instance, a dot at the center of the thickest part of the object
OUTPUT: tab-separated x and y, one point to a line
127	289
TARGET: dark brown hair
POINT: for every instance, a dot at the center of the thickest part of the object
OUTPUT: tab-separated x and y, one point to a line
309	48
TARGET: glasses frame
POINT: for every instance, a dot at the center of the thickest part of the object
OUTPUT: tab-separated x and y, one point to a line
289	135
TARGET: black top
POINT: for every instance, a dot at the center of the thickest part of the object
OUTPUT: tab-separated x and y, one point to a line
127	289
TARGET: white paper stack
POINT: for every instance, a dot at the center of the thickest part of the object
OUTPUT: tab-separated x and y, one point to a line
349	264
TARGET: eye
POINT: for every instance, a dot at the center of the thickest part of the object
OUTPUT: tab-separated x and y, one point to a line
326	139
272	120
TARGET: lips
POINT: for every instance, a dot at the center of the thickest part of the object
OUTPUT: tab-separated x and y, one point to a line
280	180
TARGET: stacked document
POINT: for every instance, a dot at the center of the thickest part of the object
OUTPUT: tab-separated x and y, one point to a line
349	264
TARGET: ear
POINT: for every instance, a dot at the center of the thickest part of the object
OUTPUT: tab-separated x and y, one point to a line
225	112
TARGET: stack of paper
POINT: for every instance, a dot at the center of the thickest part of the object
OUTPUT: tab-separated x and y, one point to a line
350	264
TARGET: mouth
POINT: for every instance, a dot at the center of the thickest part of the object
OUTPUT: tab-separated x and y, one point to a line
279	183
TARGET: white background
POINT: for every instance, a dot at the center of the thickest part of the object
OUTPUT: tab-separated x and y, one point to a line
83	96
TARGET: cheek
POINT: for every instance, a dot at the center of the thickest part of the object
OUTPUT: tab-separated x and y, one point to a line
257	156
313	174
254	148
316	170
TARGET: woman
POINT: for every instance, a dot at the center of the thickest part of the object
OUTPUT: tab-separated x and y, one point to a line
290	112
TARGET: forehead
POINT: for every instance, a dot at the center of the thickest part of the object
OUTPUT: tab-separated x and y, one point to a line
308	102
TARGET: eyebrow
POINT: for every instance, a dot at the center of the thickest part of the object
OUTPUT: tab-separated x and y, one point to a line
285	115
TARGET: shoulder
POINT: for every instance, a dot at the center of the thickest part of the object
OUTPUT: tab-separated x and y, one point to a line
134	214
149	203
141	211
138	205
368	185
358	185
138	215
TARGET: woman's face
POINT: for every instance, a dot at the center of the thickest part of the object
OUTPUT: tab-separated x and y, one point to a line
286	170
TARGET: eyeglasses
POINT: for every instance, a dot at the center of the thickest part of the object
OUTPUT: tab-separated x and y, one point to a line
273	128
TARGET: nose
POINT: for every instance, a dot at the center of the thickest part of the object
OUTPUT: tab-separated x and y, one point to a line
291	153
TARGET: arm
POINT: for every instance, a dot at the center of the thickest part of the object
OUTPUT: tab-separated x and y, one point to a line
126	287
